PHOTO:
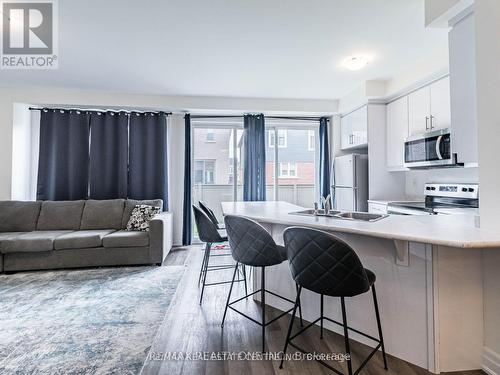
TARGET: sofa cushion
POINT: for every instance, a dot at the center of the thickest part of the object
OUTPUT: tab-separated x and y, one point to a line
130	205
17	216
31	242
123	238
9	235
82	239
103	214
57	215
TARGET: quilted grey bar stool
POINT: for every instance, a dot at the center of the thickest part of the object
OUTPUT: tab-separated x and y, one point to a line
210	235
210	213
323	263
252	245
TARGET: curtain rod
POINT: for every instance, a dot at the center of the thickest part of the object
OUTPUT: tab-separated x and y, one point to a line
214	116
296	118
93	110
267	117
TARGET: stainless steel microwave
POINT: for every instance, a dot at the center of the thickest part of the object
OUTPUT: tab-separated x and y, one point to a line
431	149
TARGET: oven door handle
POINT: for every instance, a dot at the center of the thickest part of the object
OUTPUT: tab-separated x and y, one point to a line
438	147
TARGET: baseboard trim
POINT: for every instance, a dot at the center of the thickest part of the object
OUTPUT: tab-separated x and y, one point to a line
491	362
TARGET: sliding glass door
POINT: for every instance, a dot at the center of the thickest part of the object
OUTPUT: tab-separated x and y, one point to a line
292	158
217	162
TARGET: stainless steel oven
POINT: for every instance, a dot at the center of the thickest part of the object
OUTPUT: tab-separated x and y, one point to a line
432	149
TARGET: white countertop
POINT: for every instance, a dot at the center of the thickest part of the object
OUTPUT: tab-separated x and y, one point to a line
447	230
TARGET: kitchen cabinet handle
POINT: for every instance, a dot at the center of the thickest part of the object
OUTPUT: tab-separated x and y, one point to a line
432	122
426	122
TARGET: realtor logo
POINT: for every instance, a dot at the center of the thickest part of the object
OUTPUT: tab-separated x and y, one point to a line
29	38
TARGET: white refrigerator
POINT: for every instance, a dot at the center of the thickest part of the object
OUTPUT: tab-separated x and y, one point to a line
349	188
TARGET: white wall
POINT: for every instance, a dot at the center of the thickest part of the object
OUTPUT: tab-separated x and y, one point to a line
416	179
176	173
487	13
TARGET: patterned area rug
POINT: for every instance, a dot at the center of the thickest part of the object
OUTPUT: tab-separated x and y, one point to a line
96	321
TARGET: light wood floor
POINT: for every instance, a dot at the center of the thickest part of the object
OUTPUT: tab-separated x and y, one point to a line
189	327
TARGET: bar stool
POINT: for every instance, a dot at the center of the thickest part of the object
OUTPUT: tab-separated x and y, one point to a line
252	245
209	234
323	263
210	214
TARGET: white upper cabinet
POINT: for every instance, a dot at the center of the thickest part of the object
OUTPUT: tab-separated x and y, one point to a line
396	132
354	129
440	104
359	126
419	107
345	132
429	107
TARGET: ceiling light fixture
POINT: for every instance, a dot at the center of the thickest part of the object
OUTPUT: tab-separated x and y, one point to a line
356	62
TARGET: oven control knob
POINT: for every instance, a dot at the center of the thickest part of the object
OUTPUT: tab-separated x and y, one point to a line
428	188
464	190
471	190
433	188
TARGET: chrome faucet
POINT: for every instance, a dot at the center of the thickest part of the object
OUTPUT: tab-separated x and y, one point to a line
326	204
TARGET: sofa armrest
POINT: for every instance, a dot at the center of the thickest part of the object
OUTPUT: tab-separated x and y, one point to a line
160	236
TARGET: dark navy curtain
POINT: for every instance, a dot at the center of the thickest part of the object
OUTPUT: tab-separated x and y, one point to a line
254	151
186	219
324	158
108	155
63	165
148	167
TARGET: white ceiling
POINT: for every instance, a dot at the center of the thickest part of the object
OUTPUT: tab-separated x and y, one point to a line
240	48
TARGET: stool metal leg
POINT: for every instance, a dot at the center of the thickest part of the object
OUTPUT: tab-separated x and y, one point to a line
321	316
346	335
203	263
290	326
379	326
205	267
245	277
300	306
229	295
263	305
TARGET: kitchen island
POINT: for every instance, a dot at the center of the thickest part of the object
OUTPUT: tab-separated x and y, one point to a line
429	280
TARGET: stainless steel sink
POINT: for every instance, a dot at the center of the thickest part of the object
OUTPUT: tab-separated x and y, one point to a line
311	212
363	216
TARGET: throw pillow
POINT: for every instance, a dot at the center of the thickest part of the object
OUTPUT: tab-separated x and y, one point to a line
141	215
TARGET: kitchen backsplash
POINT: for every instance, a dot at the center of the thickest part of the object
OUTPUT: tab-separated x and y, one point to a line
415	179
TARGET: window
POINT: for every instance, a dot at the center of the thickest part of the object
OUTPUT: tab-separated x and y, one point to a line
282	138
311	140
291	173
217	168
287	170
204	172
210	136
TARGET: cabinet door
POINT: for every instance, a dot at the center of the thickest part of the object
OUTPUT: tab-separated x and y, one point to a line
359	127
440	104
345	132
396	131
419	109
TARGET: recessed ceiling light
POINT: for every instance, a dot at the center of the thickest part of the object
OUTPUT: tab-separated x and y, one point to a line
355	62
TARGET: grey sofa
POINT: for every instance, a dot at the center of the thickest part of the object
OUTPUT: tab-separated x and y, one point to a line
84	233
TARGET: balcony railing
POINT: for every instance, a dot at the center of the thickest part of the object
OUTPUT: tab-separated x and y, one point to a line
299	194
